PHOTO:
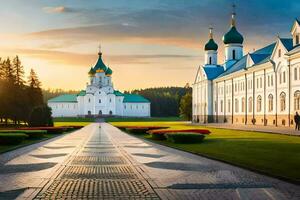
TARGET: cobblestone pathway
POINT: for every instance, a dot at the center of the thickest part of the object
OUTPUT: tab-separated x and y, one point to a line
105	163
98	170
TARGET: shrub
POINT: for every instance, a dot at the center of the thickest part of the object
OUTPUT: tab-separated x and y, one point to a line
35	134
185	138
40	116
200	131
137	130
12	138
158	136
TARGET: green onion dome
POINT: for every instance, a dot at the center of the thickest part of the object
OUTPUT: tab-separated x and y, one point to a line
100	66
211	45
233	37
92	72
108	72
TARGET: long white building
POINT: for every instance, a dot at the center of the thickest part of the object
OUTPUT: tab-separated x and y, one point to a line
261	87
100	98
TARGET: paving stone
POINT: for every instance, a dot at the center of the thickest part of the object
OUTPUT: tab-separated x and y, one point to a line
98	189
99	172
98	160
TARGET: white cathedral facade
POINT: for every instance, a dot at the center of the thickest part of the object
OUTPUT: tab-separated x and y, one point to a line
261	87
100	98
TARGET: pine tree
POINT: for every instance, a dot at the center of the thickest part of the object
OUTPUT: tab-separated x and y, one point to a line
18	69
33	80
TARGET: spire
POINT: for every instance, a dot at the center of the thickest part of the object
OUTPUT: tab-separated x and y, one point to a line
233	14
100	51
210	32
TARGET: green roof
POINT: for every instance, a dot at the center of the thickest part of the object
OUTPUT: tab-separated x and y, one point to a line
64	98
211	45
100	64
134	98
81	93
233	37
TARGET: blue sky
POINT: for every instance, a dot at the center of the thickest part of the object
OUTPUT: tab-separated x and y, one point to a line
140	36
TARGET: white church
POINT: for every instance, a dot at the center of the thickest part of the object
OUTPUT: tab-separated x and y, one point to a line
100	98
260	87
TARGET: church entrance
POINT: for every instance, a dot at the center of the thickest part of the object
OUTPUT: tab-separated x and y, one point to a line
100	112
110	113
89	113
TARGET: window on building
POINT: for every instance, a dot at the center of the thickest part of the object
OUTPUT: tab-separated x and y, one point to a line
110	100
260	82
210	60
297	39
280	78
258	104
283	74
282	101
229	105
271	80
99	100
279	53
124	106
297	100
233	54
89	100
236	102
295	73
268	81
270	100
221	105
257	83
100	78
243	104
250	104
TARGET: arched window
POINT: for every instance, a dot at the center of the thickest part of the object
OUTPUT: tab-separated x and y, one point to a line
233	54
110	112
89	113
210	60
283	74
270	100
282	101
279	53
250	104
297	39
243	104
99	100
258	104
89	100
236	105
100	112
297	100
100	79
295	73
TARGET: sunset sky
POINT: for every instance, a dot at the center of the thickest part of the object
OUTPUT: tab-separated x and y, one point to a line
147	43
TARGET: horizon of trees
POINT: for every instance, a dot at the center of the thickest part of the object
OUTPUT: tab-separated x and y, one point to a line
18	95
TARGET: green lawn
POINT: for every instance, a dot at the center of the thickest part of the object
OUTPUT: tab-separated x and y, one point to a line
139	119
273	154
5	148
73	119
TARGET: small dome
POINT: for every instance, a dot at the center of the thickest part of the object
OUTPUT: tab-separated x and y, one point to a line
233	37
108	72
92	72
211	45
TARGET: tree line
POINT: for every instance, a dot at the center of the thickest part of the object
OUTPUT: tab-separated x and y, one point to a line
165	101
18	95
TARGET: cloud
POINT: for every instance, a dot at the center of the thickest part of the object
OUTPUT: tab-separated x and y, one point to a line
58	9
85	60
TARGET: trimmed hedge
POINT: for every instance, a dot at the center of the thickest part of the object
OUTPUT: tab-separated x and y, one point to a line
158	136
50	130
185	138
199	131
35	134
12	138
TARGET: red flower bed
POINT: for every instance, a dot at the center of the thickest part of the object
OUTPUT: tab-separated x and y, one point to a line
142	127
163	131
